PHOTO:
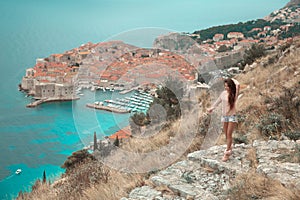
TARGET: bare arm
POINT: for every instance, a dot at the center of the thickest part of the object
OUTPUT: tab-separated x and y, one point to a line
237	84
216	103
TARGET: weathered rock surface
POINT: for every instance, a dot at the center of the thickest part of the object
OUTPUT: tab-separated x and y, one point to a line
204	176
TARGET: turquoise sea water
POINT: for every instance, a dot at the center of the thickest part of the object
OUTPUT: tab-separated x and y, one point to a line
41	138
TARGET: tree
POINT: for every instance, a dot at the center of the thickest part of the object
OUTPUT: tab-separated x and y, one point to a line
44	177
291	32
223	48
140	119
244	28
170	96
117	141
95	141
256	51
77	158
135	129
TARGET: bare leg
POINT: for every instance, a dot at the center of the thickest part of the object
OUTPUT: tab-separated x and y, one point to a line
225	127
231	126
228	129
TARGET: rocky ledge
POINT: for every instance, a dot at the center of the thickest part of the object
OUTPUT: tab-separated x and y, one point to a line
204	176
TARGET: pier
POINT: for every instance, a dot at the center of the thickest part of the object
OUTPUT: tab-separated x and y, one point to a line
50	99
107	108
128	90
36	103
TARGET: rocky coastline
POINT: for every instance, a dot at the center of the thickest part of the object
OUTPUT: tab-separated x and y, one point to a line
263	168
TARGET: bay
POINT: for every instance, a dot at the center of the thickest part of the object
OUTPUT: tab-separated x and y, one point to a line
41	138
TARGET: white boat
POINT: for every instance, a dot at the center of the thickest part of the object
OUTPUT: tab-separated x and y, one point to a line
18	171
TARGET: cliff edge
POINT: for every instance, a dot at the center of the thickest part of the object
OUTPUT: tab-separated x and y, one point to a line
204	176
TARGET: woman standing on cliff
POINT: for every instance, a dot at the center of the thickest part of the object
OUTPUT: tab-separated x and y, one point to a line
228	98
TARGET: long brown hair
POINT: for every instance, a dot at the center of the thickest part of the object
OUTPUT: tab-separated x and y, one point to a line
232	93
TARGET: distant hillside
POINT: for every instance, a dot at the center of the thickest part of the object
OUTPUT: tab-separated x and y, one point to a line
293	2
289	15
243	27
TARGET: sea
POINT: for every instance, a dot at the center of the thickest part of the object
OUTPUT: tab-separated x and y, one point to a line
41	138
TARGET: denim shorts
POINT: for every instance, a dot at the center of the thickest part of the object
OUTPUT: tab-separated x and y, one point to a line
231	118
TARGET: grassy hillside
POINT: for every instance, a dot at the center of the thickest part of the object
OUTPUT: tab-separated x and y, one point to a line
268	106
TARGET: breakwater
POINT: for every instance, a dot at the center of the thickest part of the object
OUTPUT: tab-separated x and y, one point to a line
107	108
50	99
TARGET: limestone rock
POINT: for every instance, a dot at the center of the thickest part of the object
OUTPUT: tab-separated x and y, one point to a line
204	176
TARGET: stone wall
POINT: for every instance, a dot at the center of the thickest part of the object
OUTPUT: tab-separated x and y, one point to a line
225	61
64	90
46	90
27	83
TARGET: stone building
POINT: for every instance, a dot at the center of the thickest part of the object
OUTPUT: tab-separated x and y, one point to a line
218	37
46	90
28	80
235	35
64	90
30	72
28	83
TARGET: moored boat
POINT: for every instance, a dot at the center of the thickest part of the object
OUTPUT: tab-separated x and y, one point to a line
18	171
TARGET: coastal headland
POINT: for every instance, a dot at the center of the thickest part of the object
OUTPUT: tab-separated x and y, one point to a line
265	160
192	57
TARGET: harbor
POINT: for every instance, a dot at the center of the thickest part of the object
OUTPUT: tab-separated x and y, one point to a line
138	102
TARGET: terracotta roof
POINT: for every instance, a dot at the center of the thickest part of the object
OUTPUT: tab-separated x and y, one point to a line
123	133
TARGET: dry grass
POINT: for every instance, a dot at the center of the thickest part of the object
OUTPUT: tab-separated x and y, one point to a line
155	139
251	156
256	186
119	185
265	83
292	156
38	193
141	155
144	143
116	186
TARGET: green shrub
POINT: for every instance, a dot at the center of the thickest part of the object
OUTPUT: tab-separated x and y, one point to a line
271	124
256	51
293	135
77	158
170	96
289	103
240	139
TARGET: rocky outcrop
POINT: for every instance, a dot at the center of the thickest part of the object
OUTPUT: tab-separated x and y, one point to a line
178	43
183	45
204	176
